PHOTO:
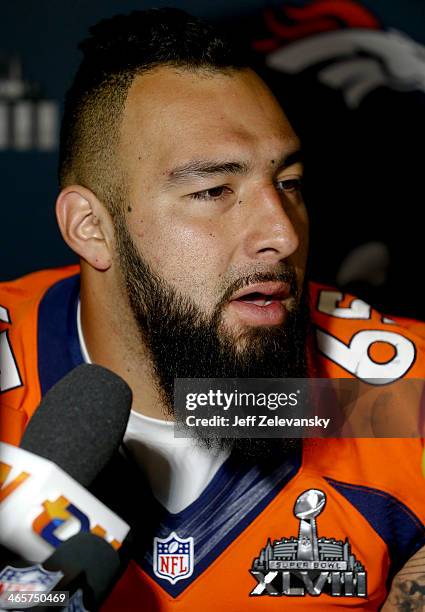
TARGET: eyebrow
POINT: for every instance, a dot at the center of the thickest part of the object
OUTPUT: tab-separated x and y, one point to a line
204	168
196	169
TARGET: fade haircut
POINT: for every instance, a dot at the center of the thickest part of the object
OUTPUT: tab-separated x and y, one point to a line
117	51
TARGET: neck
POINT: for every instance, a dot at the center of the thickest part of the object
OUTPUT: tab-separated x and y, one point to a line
113	341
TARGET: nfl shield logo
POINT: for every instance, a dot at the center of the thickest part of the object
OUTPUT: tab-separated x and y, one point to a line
34	578
173	557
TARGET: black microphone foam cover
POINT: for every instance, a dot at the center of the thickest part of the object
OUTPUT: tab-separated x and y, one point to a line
90	557
81	421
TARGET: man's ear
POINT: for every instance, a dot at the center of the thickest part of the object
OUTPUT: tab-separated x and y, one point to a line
85	225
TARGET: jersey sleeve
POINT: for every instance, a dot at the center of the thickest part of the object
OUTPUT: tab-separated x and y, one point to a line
351	339
19	381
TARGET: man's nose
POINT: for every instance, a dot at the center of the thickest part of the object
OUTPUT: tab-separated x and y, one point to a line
271	233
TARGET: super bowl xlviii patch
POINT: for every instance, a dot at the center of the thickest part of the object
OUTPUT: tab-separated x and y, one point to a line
308	565
173	557
34	578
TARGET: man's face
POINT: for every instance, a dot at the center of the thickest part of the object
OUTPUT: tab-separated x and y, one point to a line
214	206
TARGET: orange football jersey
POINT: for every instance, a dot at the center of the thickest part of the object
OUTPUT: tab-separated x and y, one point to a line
325	528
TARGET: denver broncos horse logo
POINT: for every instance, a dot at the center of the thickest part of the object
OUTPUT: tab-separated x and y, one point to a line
346	44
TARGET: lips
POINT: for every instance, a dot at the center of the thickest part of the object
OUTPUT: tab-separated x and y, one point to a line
261	304
262	294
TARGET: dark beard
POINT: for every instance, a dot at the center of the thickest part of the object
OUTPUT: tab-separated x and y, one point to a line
185	343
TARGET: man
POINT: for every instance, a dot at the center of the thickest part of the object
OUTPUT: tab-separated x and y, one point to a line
180	179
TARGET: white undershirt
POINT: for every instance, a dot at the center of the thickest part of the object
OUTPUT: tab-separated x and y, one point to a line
177	469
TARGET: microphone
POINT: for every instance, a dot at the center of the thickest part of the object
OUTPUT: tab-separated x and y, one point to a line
76	430
90	567
81	421
85	566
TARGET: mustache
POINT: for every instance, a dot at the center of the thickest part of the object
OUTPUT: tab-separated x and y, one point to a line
284	276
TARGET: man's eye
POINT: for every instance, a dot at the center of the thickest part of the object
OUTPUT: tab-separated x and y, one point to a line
290	185
215	193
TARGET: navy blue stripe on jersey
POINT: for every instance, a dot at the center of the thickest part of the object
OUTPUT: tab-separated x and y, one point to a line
402	531
58	345
238	493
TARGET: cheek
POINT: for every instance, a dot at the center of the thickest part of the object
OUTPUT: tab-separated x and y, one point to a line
189	258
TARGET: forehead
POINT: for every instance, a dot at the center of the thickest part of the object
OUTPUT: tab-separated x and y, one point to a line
175	114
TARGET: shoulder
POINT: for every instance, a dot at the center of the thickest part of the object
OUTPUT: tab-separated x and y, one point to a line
22	295
351	338
19	307
380	477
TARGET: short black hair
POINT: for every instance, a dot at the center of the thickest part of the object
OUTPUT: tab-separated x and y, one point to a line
119	49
